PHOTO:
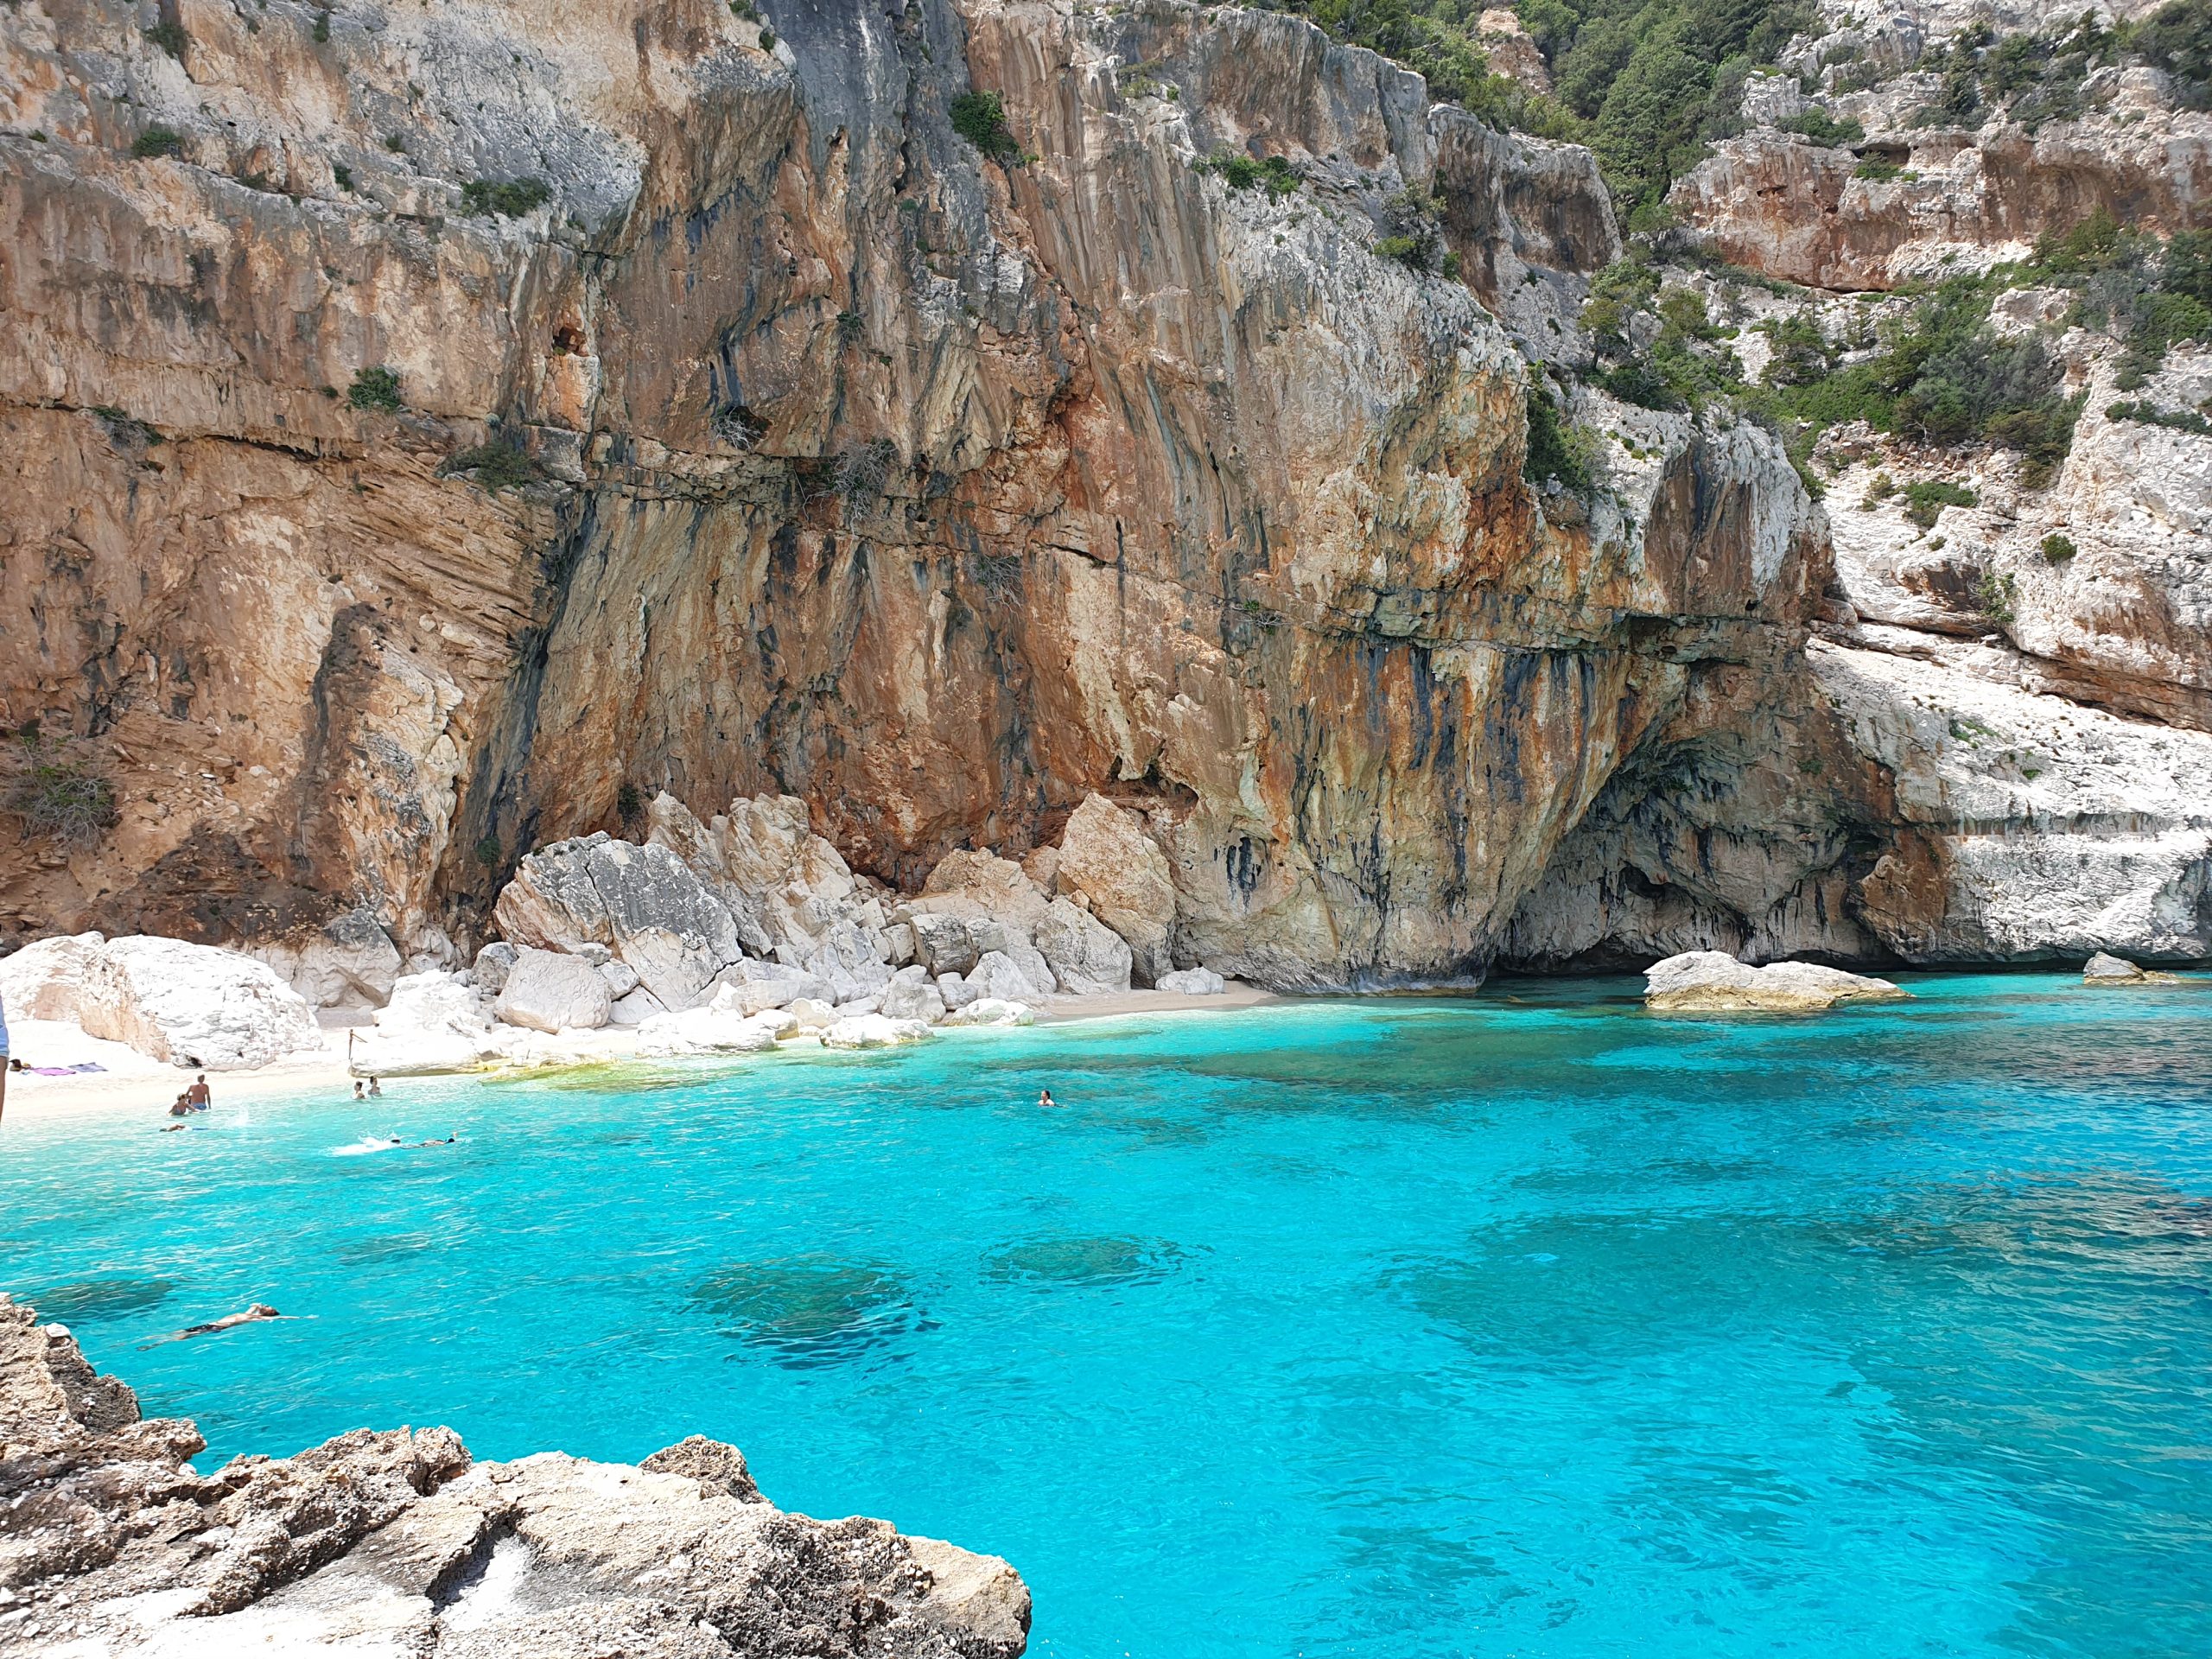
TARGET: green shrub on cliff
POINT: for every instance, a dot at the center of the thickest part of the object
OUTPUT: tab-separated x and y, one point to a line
61	802
980	117
1275	175
1555	448
2178	38
157	141
374	389
509	200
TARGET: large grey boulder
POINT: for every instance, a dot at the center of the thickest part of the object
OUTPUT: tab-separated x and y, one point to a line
999	976
1713	982
350	961
192	1004
1192	982
493	963
360	1546
644	905
912	994
794	895
2106	970
1087	957
548	991
1107	857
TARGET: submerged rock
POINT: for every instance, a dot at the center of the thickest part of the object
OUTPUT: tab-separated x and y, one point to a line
1713	982
395	1541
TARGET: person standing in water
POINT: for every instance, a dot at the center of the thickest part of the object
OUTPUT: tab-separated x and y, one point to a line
358	1095
198	1096
376	1090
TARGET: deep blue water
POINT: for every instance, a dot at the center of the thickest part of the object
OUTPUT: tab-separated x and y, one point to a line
1525	1324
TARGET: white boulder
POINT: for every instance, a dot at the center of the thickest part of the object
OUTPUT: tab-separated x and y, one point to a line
2105	969
1192	982
992	1011
1087	957
955	990
1713	982
873	1031
998	975
43	980
812	1013
912	994
432	1023
192	1004
635	1007
548	991
719	1028
1108	858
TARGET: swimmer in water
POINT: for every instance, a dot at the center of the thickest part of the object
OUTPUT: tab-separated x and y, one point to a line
1044	1097
254	1314
358	1095
447	1141
376	1090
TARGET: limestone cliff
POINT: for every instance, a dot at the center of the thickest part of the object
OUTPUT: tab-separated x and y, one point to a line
431	434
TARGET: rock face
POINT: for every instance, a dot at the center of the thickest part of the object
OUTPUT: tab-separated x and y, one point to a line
394	1541
1713	982
192	1005
744	461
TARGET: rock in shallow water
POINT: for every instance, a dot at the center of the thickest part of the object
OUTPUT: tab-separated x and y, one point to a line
1713	982
394	1541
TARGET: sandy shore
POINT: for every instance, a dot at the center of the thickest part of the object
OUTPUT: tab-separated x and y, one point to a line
132	1084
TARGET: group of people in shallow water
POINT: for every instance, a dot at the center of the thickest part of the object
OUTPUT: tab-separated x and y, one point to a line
198	1098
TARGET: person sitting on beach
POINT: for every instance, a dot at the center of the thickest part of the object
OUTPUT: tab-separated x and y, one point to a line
198	1096
358	1095
1044	1097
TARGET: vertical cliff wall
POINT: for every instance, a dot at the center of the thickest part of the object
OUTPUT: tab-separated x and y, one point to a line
792	442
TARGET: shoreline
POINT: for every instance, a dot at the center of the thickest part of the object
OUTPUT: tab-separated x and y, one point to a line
135	1082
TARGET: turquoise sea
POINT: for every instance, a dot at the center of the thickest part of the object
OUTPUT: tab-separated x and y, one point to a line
1527	1324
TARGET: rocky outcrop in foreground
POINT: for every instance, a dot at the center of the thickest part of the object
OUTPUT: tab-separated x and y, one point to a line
394	1542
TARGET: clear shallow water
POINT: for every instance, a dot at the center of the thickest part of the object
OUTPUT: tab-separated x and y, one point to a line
1408	1329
